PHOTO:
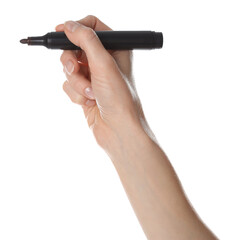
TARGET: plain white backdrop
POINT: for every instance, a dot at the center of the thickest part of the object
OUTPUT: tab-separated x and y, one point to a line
56	182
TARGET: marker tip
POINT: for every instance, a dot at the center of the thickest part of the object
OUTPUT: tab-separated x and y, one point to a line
24	41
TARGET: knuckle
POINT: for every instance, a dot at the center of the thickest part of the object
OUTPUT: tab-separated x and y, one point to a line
91	18
76	86
89	34
72	83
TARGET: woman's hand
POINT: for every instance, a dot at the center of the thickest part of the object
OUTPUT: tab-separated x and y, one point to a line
100	81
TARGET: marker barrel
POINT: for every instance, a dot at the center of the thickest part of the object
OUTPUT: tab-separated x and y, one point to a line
114	40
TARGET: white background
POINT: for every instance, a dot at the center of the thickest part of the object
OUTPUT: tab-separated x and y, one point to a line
56	182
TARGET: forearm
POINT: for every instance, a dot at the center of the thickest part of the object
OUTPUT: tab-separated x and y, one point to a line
153	188
147	176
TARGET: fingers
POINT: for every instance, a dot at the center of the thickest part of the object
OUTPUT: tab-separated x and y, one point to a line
76	97
93	23
78	87
86	39
102	67
70	62
89	21
81	85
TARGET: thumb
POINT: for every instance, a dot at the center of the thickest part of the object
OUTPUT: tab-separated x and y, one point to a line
103	68
86	38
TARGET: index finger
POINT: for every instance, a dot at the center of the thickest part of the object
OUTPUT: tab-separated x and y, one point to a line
89	21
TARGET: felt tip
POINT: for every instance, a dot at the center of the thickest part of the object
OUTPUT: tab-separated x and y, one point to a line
24	41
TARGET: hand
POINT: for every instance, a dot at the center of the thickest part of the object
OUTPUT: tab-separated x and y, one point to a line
114	113
100	80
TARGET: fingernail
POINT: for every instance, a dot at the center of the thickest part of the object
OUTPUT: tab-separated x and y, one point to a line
90	103
71	26
89	93
69	67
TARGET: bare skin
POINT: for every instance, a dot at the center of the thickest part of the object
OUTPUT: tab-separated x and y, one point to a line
114	114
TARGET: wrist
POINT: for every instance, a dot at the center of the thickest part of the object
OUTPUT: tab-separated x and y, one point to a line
128	136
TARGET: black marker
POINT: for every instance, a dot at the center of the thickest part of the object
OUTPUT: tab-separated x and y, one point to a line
115	40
